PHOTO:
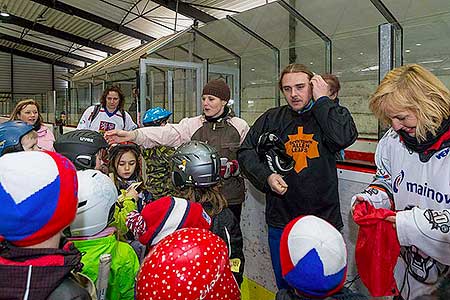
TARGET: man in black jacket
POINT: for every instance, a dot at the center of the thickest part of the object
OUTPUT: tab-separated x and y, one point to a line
313	128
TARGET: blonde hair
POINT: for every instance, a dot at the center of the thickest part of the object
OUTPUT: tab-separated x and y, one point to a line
211	195
412	87
21	105
294	68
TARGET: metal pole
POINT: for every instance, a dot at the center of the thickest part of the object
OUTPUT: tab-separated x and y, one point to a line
170	93
313	28
143	88
54	106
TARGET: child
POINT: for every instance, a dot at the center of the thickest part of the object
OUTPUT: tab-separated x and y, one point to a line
196	168
314	261
17	136
125	166
38	196
157	159
189	264
89	232
85	148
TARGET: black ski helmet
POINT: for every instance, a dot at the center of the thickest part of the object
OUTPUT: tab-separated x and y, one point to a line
271	149
81	147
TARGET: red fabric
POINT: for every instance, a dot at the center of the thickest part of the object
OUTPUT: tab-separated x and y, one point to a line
43	261
377	249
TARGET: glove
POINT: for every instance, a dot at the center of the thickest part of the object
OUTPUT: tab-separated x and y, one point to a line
228	168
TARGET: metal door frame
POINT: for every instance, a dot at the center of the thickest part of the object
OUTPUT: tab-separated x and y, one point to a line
157	62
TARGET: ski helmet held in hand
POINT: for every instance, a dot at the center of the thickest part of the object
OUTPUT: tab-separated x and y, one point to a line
11	133
156	116
81	147
195	164
272	150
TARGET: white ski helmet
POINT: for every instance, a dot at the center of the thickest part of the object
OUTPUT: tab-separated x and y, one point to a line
97	196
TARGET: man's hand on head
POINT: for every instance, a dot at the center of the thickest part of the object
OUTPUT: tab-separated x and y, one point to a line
320	87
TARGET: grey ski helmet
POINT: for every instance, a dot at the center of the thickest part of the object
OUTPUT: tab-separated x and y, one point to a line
195	164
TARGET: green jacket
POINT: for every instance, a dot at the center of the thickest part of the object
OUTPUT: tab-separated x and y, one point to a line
124	264
124	206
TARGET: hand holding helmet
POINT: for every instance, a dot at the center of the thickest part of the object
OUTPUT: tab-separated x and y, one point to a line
229	168
271	149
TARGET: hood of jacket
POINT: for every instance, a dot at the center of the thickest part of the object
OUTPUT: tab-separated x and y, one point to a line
27	273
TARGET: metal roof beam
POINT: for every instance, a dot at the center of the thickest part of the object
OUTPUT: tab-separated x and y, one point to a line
45	48
74	11
186	10
39	58
19	21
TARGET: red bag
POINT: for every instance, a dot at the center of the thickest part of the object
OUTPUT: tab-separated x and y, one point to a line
377	249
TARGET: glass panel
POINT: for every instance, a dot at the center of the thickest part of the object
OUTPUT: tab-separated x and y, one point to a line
184	86
355	52
425	30
259	63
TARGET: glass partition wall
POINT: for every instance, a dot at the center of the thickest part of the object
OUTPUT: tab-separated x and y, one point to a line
249	49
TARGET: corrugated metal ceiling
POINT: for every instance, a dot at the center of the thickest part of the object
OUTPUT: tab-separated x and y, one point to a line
143	16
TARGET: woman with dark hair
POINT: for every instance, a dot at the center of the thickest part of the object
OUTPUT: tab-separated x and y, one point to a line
28	111
109	114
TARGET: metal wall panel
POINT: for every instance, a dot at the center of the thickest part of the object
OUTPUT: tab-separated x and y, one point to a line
31	76
5	72
60	74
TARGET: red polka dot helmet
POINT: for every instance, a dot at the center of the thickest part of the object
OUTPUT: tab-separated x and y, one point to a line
190	264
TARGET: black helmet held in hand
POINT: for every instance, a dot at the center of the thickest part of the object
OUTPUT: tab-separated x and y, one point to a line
272	150
81	147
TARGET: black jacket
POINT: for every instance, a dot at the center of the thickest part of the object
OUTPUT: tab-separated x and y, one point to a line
40	273
344	294
226	226
313	136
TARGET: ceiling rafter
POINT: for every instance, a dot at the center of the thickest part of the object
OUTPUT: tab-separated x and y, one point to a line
22	22
40	58
186	10
74	11
45	48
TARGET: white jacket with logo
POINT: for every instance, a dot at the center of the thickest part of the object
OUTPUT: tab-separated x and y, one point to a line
420	193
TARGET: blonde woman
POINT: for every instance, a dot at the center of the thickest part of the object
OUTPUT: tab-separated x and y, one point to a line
28	111
413	175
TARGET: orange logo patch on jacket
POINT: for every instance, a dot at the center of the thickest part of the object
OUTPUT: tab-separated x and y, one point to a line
301	146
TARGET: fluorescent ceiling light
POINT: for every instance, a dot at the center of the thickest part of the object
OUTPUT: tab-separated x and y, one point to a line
431	61
407	50
371	68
